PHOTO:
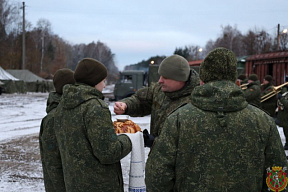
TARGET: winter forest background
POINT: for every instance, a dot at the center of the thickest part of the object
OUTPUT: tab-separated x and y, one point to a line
47	52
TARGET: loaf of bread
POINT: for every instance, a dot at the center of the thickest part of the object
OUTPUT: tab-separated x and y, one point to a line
126	127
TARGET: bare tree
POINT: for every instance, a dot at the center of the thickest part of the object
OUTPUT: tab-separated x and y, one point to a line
8	15
191	52
210	45
231	39
284	41
99	51
249	43
256	42
44	26
253	42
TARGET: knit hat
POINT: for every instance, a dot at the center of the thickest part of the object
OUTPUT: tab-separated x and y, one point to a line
219	64
90	72
62	77
253	77
242	77
175	67
269	78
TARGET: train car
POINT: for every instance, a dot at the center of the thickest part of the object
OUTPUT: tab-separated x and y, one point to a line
274	64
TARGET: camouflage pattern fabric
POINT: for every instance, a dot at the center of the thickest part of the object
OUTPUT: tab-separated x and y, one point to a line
152	100
282	115
219	68
50	155
90	149
217	142
244	81
270	104
253	93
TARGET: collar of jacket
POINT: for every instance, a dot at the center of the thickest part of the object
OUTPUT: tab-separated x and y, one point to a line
74	95
190	84
254	83
52	101
268	85
219	96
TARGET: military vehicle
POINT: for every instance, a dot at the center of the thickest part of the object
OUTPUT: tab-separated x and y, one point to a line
153	75
132	80
129	82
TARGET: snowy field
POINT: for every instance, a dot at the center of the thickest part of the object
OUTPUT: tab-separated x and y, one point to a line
20	165
20	118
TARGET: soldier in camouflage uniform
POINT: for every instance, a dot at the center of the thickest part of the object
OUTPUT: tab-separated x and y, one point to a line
282	115
172	90
241	79
50	155
270	104
218	142
89	147
253	91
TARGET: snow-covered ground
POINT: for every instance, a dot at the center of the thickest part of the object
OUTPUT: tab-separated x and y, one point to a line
20	117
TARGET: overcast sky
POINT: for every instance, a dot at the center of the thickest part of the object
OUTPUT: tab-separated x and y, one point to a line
135	30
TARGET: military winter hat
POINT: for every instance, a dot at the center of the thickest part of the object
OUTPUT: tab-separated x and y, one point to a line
242	77
61	78
90	72
268	78
253	77
219	64
175	67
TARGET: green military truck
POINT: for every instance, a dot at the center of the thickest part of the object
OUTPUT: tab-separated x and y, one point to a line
129	82
132	80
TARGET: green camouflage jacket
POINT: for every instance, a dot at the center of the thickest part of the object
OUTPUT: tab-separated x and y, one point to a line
253	93
90	149
215	143
50	155
282	115
152	100
270	104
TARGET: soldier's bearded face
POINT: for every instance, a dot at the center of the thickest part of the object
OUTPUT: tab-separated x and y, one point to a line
170	85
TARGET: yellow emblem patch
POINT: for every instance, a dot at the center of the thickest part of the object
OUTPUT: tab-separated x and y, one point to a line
276	178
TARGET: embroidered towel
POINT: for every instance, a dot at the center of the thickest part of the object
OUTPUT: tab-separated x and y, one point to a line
137	163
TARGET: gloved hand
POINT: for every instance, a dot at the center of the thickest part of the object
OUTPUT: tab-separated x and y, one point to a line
277	122
148	138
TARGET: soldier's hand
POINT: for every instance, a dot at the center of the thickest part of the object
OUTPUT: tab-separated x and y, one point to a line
119	108
148	138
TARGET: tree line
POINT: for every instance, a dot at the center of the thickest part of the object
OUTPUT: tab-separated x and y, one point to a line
46	52
251	43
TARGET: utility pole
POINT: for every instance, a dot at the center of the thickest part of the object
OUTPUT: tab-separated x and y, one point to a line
23	37
278	37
